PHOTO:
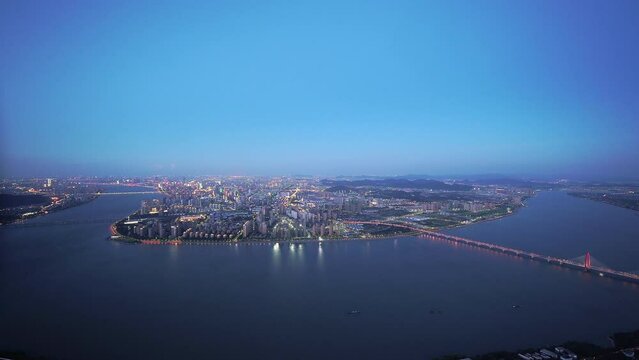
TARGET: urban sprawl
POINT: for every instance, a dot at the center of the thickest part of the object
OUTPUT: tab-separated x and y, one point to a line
247	208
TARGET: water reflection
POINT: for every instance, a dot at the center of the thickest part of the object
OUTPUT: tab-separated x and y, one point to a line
320	255
276	256
173	254
300	254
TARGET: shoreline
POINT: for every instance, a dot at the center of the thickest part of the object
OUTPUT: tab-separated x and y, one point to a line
622	343
514	212
603	200
116	236
41	212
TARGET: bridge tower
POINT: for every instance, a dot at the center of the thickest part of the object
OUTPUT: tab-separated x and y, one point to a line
587	261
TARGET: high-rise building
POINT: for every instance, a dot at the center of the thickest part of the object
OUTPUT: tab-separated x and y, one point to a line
263	228
161	230
247	229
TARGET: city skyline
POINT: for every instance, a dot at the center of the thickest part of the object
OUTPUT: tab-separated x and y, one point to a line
536	89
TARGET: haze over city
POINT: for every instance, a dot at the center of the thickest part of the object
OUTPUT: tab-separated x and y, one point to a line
539	89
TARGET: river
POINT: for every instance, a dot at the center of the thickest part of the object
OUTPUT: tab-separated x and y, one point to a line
67	292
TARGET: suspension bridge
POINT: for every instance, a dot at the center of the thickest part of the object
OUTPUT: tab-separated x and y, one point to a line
584	263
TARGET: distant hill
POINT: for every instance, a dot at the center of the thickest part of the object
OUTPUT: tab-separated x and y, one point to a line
342	185
339	188
506	181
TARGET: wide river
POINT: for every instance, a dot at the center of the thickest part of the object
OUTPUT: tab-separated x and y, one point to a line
67	292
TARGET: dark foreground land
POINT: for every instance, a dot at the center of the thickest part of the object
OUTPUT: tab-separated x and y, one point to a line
9	200
623	342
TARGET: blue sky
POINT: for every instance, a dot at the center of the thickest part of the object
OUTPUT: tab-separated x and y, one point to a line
539	88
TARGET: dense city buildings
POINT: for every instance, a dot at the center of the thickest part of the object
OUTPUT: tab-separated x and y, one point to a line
281	208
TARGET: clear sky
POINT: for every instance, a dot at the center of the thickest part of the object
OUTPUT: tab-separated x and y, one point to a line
293	87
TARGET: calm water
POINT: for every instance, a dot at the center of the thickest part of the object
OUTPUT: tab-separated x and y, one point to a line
555	223
67	292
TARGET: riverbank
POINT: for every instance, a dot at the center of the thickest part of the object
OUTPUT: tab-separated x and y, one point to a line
624	201
47	209
117	236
